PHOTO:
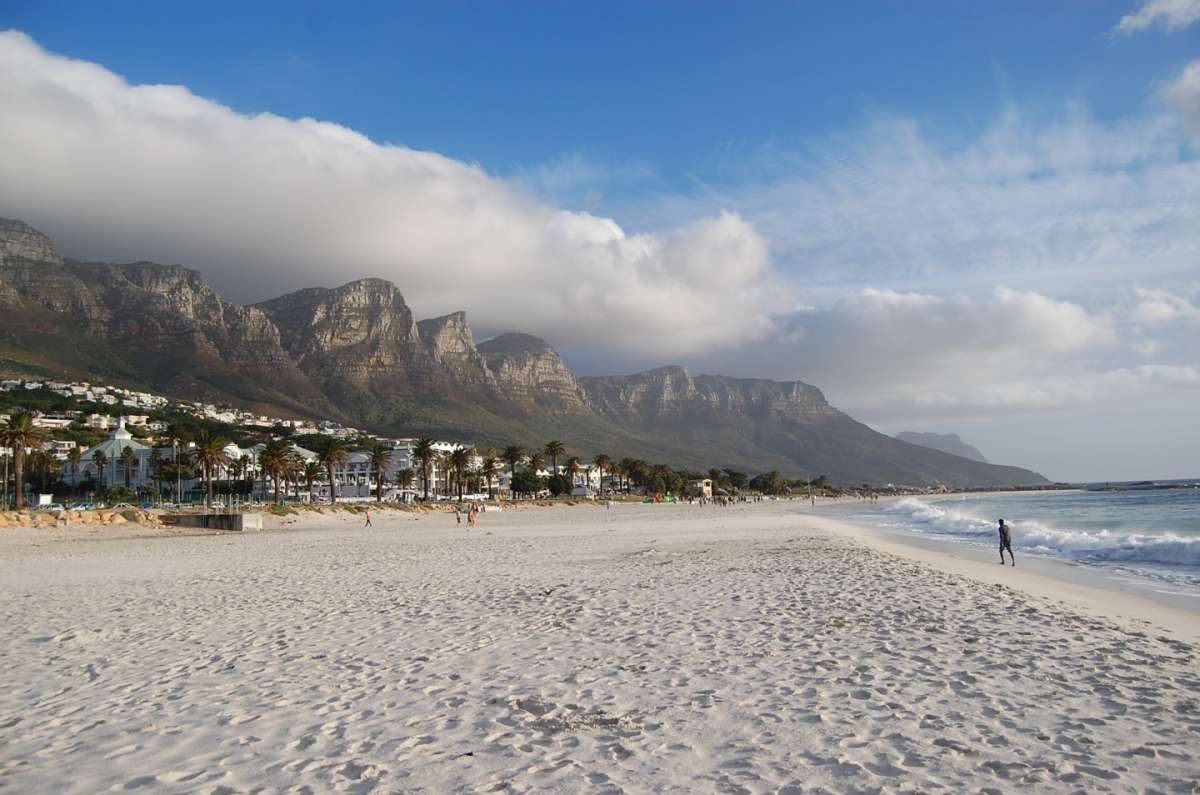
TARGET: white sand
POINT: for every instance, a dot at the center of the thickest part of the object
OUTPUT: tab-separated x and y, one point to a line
647	648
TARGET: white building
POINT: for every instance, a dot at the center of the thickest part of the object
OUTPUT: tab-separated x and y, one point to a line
114	472
99	422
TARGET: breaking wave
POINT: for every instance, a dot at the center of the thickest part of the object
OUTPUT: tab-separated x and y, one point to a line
1102	546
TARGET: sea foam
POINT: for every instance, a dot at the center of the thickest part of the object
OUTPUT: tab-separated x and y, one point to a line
1034	536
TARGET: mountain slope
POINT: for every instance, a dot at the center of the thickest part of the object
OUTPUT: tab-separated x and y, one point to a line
946	442
357	354
789	420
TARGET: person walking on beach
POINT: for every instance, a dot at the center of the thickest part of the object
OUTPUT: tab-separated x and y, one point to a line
368	515
1006	543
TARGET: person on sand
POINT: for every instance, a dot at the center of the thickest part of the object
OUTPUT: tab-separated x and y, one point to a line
471	516
1006	543
458	514
368	515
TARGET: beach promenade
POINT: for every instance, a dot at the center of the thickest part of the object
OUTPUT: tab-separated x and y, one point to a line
756	648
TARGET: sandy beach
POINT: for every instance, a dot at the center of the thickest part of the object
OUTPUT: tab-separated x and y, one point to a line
756	648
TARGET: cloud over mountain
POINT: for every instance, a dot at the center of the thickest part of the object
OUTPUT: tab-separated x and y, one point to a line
263	204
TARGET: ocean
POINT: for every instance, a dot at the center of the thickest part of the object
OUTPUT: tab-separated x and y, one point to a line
1152	534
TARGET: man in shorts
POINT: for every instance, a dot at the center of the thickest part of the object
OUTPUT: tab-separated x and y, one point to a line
1006	543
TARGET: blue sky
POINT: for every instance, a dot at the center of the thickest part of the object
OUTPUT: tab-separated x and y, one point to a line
678	88
972	217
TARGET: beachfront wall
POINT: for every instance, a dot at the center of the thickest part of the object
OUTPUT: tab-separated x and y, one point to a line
218	521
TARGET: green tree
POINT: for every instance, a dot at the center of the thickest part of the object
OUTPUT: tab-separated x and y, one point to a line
425	455
459	462
554	449
602	463
127	459
512	455
156	472
333	456
737	480
616	475
74	456
525	482
380	461
273	461
209	453
629	470
488	470
405	478
312	471
101	461
20	434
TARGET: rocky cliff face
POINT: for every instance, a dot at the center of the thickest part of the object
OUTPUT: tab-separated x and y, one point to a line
451	345
529	371
350	332
671	392
21	242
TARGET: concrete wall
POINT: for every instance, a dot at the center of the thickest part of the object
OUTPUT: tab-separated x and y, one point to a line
218	521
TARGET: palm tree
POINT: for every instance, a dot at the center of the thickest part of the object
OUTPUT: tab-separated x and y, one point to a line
554	449
101	461
602	463
74	455
512	456
21	434
312	471
333	456
295	470
616	474
155	472
460	461
273	460
488	469
629	471
210	455
637	472
425	454
573	470
127	459
405	478
381	461
447	466
51	467
537	461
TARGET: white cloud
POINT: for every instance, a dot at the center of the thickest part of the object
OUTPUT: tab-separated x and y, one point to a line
1170	15
262	204
893	357
1183	93
1162	306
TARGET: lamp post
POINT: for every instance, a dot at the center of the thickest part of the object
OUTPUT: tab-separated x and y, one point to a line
178	480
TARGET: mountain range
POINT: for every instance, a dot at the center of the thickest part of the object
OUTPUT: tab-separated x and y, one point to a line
357	354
